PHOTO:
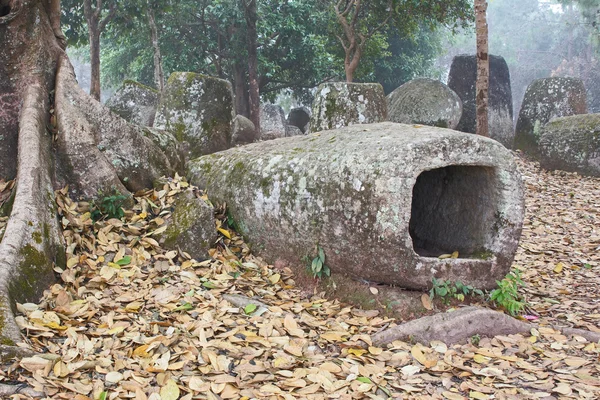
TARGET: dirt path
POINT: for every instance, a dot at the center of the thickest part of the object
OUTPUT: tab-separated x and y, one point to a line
131	320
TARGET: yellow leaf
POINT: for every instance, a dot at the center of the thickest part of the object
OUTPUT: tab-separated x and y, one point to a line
454	255
274	278
133	306
418	355
426	300
559	267
357	352
170	391
478	395
478	358
444	256
563	389
575	361
452	396
141	351
116	330
71	262
55	326
225	232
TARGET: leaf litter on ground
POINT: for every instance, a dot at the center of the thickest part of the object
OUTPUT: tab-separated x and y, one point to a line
132	320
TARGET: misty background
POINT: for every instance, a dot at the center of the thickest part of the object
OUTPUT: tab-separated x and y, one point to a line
537	38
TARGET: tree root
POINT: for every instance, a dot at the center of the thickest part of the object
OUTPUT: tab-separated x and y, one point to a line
10	390
457	326
8	353
98	151
32	242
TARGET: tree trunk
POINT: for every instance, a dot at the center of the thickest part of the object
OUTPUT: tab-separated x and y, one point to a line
254	90
94	150
95	61
159	76
483	68
351	62
240	85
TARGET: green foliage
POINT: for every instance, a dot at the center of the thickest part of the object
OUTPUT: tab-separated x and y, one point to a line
250	308
475	339
318	267
447	290
108	207
507	296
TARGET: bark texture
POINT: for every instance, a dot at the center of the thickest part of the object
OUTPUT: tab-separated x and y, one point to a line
32	241
254	90
159	75
483	68
42	106
96	25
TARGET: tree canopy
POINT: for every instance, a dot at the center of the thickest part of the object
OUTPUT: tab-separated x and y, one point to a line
300	43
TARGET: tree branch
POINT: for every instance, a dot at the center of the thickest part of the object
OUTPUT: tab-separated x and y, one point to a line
111	14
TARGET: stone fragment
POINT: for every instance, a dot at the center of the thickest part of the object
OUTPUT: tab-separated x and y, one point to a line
171	147
462	79
191	226
425	101
272	122
293	131
299	117
340	104
135	103
572	144
243	130
544	100
197	109
383	201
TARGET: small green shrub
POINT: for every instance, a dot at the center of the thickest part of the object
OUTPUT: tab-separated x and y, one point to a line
447	290
318	267
108	207
507	296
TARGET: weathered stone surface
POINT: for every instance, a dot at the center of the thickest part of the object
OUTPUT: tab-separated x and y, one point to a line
425	101
191	226
95	146
197	109
462	79
383	201
272	122
293	131
544	100
299	117
572	144
340	104
243	130
170	146
135	103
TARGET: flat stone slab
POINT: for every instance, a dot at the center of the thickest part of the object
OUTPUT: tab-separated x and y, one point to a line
383	201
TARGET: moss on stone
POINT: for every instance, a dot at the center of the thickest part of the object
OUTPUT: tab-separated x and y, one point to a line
130	82
32	264
37	237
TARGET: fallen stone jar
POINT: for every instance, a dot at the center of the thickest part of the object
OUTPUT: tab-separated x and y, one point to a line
383	201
